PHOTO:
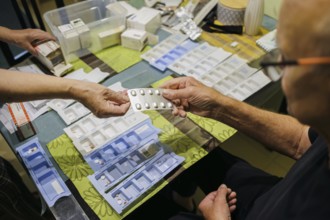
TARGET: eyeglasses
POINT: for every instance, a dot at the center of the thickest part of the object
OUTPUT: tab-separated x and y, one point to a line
274	63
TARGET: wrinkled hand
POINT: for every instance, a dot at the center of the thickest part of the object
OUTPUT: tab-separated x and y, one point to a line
103	102
190	95
219	204
24	38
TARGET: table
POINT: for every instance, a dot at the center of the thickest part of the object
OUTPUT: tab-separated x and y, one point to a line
139	75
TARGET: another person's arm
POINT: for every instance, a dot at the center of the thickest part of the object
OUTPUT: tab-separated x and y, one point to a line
103	102
282	133
24	38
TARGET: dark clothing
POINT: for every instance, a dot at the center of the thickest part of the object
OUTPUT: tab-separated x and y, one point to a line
16	201
303	194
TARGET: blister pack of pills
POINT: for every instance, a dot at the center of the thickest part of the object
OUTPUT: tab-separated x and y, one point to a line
148	99
47	179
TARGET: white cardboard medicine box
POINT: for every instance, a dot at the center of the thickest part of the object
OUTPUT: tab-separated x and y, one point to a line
134	39
146	19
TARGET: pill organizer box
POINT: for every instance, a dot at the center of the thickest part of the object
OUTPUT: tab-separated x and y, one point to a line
122	166
122	145
193	57
148	99
73	113
101	131
59	104
112	126
163	47
41	169
164	61
137	184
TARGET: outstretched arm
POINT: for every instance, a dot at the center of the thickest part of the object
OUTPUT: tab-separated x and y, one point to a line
103	102
282	133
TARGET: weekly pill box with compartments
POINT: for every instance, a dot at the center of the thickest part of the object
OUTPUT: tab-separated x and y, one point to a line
125	193
163	47
148	99
47	179
120	146
98	133
107	177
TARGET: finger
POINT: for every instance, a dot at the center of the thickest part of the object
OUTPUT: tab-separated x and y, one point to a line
117	97
182	113
232	208
31	49
171	94
232	195
172	84
113	110
221	194
232	202
42	35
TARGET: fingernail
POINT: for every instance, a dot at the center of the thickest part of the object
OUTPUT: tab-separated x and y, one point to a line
223	186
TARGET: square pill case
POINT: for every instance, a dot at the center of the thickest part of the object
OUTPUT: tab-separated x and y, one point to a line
148	99
119	168
91	133
163	47
123	145
125	193
41	169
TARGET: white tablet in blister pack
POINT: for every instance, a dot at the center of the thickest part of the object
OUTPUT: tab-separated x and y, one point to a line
148	99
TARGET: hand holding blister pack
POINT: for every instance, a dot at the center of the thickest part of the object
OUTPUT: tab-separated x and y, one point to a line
148	99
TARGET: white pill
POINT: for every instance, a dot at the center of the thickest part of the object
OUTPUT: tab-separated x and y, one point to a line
162	104
155	105
157	92
147	105
150	92
138	106
142	92
133	93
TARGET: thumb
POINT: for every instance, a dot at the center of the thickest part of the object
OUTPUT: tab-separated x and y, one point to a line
176	94
221	197
118	97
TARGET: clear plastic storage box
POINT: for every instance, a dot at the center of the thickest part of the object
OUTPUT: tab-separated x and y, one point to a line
85	27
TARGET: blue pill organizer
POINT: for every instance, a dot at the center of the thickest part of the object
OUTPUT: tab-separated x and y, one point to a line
127	166
170	57
126	192
41	169
122	145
